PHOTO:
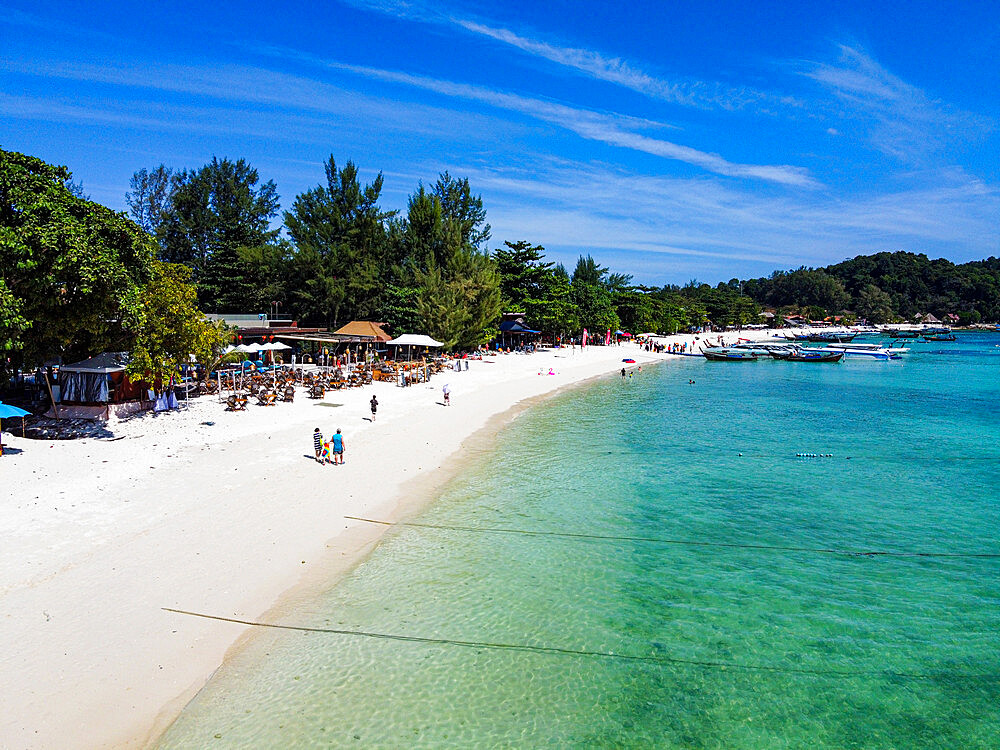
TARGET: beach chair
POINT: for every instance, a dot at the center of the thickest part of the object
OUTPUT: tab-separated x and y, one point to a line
289	394
236	402
266	398
316	390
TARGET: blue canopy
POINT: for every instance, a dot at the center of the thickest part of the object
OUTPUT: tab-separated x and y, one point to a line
6	410
512	326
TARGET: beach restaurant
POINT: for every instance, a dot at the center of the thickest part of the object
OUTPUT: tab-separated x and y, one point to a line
357	341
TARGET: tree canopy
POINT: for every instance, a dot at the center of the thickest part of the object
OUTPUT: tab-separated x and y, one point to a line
71	269
78	277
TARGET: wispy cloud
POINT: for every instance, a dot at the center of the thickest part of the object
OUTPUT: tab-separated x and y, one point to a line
901	119
311	106
689	93
700	226
612	129
592	63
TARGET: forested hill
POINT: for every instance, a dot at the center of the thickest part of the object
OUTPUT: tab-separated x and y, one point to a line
887	286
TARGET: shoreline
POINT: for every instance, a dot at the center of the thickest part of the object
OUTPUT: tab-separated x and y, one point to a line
352	546
361	538
212	511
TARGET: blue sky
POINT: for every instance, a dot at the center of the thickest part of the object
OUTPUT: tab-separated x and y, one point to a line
709	141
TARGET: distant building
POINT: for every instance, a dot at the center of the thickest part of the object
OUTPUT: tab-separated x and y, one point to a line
253	328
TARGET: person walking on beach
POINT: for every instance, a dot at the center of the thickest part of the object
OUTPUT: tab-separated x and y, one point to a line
338	447
374	407
446	390
318	443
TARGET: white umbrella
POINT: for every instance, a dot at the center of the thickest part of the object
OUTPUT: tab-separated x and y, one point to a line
414	339
277	345
253	348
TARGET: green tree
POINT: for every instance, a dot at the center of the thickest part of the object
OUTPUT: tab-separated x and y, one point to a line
523	274
149	197
168	326
211	214
460	304
554	311
428	240
342	252
463	210
874	305
595	308
636	311
588	271
71	269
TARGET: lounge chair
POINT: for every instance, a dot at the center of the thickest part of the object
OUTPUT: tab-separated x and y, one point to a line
289	394
236	403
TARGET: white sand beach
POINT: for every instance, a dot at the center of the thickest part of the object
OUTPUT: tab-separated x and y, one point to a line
216	512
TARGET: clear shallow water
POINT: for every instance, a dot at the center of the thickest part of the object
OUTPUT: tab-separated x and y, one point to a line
746	647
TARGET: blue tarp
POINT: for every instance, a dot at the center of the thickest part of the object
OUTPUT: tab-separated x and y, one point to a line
512	326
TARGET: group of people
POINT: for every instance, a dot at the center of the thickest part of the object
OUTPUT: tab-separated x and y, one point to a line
332	451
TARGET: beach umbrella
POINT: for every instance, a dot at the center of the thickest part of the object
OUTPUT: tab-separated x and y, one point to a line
7	411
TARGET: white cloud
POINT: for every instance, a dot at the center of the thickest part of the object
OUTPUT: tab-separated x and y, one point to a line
901	119
700	94
295	106
685	92
609	128
701	226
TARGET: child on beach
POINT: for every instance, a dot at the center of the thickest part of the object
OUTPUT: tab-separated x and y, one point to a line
325	454
318	443
374	404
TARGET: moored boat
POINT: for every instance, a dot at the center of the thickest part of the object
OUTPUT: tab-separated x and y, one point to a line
762	348
723	354
873	351
806	355
940	337
835	337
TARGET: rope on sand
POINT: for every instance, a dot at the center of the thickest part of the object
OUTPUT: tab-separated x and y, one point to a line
557	651
688	542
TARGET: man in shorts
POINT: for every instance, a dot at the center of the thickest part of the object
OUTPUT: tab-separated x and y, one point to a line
338	447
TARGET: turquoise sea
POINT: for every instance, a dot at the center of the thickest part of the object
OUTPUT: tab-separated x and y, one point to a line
686	580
